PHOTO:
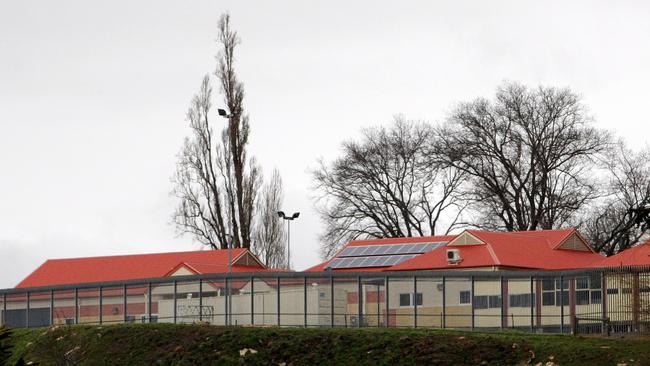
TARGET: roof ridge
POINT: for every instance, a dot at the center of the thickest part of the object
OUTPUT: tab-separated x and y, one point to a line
140	254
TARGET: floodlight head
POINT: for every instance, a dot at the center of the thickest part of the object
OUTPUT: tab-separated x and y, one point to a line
295	215
222	113
281	214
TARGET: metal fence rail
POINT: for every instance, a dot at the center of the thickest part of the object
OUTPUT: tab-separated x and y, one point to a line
579	301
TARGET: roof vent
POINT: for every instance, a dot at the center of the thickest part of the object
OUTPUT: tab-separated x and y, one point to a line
453	256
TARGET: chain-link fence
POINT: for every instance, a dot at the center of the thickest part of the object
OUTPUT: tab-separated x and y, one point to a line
580	301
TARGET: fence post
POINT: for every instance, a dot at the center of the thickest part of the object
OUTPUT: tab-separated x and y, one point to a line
603	301
415	301
101	305
471	292
386	301
175	284
225	302
561	304
76	305
253	300
304	299
4	309
278	299
360	302
532	305
331	301
27	312
200	299
378	307
51	307
444	302
125	302
149	302
503	316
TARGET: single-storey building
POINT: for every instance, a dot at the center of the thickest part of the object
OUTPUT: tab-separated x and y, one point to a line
460	302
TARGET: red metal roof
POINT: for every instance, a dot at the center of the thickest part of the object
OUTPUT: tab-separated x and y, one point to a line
519	249
638	255
130	267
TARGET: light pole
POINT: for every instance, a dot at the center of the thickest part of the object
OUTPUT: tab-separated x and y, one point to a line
289	219
224	114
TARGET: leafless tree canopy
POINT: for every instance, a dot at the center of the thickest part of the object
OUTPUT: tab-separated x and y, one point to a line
215	180
529	153
268	236
386	185
622	218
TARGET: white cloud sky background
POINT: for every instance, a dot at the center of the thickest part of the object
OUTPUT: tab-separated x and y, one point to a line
93	97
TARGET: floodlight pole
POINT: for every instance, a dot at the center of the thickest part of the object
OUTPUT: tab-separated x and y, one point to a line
289	219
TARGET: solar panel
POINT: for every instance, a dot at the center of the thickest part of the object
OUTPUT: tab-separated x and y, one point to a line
374	261
389	249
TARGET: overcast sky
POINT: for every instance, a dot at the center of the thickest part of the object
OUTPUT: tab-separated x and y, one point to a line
93	97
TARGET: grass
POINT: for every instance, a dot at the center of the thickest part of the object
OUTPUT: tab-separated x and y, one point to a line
168	344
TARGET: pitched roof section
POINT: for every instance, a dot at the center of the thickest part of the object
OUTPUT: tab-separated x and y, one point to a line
137	266
542	249
638	255
384	241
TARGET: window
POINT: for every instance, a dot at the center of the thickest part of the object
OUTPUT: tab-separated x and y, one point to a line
404	299
548	298
596	297
418	299
612	291
487	301
582	298
69	321
521	301
465	297
494	301
562	298
480	302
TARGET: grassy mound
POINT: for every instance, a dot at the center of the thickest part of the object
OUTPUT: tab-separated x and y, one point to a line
167	344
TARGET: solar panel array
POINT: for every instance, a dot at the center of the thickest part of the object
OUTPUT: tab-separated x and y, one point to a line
389	249
376	261
380	255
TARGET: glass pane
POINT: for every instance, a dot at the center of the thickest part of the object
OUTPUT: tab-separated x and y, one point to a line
16	315
487	303
519	304
430	312
39	309
63	307
137	304
401	292
162	306
88	303
345	301
112	309
318	302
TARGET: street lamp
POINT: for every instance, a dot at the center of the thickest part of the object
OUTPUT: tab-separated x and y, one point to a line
223	113
289	219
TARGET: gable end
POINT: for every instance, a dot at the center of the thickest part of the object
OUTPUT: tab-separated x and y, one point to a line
466	239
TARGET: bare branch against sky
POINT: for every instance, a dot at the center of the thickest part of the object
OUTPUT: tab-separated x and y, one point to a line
93	95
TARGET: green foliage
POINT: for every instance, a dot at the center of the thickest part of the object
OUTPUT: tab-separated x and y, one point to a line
4	344
168	344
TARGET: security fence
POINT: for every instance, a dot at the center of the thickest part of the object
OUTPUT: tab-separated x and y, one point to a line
579	301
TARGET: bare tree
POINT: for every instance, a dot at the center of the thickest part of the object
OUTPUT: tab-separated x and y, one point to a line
215	180
622	219
530	156
269	236
387	185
